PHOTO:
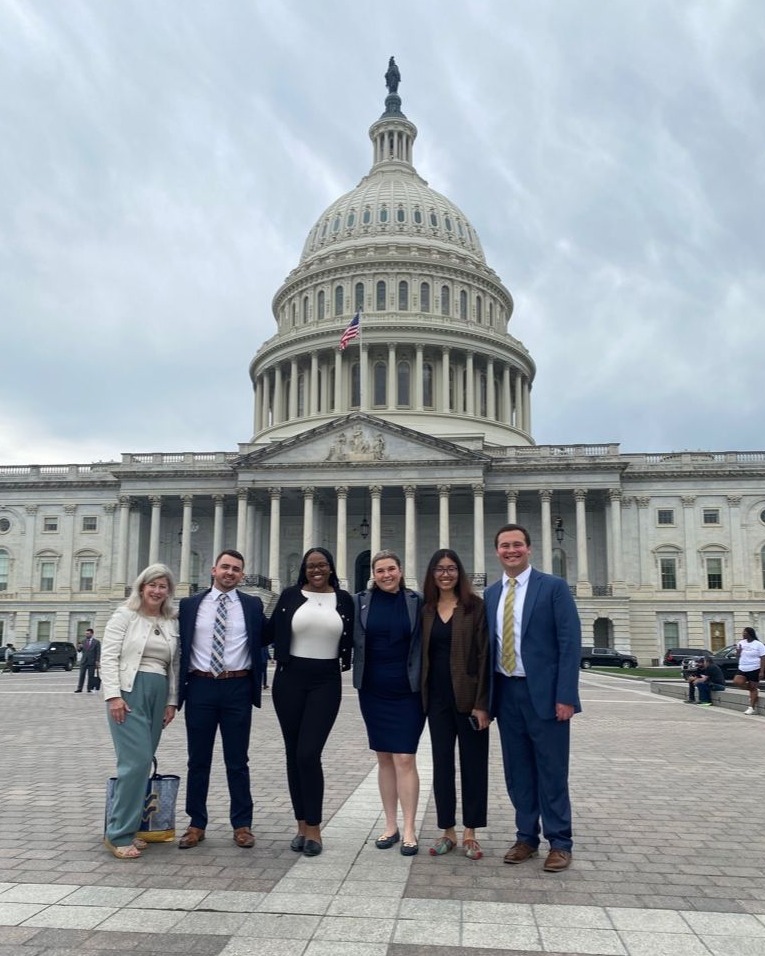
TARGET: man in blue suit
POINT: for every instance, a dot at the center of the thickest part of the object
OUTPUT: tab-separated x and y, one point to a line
535	638
221	633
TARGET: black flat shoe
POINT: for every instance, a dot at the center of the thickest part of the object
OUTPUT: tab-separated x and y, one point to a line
410	849
386	842
297	843
312	848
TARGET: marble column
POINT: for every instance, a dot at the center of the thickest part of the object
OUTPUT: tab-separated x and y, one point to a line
418	378
218	526
274	557
242	494
738	584
341	546
444	379
507	404
308	532
470	403
491	405
313	399
479	565
249	540
526	406
278	415
443	515
123	542
512	506
518	402
156	515
583	586
391	386
410	536
340	407
183	576
644	545
545	497
615	497
365	399
375	525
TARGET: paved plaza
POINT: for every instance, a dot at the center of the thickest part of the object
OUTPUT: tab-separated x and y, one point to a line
668	858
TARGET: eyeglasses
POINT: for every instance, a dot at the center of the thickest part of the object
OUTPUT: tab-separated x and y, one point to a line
317	567
449	569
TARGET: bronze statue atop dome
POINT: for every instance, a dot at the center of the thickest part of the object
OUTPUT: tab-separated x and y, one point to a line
392	76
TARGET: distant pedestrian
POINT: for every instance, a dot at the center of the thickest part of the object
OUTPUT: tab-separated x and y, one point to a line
9	652
707	677
751	667
90	658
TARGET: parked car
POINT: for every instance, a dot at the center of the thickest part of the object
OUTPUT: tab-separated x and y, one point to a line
43	655
676	655
606	657
726	660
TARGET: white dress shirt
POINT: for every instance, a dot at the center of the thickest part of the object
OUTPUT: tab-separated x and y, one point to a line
520	597
236	651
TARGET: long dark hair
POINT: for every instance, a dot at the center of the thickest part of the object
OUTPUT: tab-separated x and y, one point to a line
750	634
463	588
334	581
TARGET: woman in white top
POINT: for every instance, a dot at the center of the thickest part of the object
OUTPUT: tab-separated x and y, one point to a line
751	667
312	633
139	676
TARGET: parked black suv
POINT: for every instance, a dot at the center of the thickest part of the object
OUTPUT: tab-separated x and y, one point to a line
676	655
605	657
726	660
43	655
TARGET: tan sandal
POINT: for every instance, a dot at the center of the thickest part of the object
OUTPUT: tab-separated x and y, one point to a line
139	844
472	849
128	852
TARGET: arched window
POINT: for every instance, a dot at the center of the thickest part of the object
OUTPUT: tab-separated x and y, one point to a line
463	305
358	299
433	219
336	225
355	385
380	384
366	216
448	223
305	309
404	379
350	219
338	300
5	566
301	395
403	296
427	386
400	214
478	309
381	296
446	305
482	394
425	296
320	305
383	214
417	216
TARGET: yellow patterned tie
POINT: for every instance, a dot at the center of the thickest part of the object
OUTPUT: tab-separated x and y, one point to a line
508	629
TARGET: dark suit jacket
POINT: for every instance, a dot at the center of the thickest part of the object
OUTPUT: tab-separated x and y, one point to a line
468	660
551	642
279	630
92	655
414	661
254	622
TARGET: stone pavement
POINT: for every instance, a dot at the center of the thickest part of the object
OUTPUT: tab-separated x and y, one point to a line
668	856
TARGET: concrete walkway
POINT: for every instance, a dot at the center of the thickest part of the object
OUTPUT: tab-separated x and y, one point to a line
662	799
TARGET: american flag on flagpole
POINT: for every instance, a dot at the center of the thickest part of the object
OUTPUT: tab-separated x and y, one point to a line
353	330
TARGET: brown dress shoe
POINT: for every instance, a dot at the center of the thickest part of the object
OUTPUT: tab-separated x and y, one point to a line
243	836
556	861
520	852
191	837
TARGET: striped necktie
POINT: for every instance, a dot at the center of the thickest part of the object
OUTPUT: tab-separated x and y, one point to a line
217	664
508	628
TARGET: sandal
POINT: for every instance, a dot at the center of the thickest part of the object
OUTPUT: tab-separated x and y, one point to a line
128	852
139	844
472	849
442	846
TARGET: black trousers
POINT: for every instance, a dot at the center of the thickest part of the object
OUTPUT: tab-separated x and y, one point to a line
90	671
306	695
447	729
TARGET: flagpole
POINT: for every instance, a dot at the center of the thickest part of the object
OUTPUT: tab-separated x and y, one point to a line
362	364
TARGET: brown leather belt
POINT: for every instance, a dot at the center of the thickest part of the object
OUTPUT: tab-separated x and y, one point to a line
224	675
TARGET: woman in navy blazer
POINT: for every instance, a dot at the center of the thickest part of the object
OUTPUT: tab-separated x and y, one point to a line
386	673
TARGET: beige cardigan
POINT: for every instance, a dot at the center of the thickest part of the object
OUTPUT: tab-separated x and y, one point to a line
122	649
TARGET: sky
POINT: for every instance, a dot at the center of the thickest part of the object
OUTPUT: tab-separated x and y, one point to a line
161	164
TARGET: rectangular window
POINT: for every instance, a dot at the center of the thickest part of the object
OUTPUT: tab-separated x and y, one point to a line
47	571
714	574
87	575
50	524
42	631
671	634
90	523
710	516
82	626
668	574
665	516
4	567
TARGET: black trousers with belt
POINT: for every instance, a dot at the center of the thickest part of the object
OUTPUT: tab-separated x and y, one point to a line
306	694
448	729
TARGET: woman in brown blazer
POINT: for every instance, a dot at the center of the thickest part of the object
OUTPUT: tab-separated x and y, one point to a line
455	685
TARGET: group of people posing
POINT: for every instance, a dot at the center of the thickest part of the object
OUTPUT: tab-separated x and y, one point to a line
444	655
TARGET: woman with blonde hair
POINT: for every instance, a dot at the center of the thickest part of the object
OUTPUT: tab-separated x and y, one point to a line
139	676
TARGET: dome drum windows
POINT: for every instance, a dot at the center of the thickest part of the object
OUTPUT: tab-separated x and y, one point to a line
446	307
425	297
403	296
338	300
380	296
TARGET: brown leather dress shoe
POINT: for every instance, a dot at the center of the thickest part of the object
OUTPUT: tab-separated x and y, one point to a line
520	852
556	861
243	836
191	838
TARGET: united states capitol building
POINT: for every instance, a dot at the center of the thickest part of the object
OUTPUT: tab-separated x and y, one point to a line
415	436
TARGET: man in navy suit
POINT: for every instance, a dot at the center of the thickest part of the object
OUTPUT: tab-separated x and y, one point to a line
220	680
534	693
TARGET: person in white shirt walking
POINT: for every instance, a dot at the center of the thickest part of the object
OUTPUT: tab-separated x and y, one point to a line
751	667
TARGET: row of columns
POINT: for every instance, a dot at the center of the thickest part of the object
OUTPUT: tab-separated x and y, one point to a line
273	408
248	517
